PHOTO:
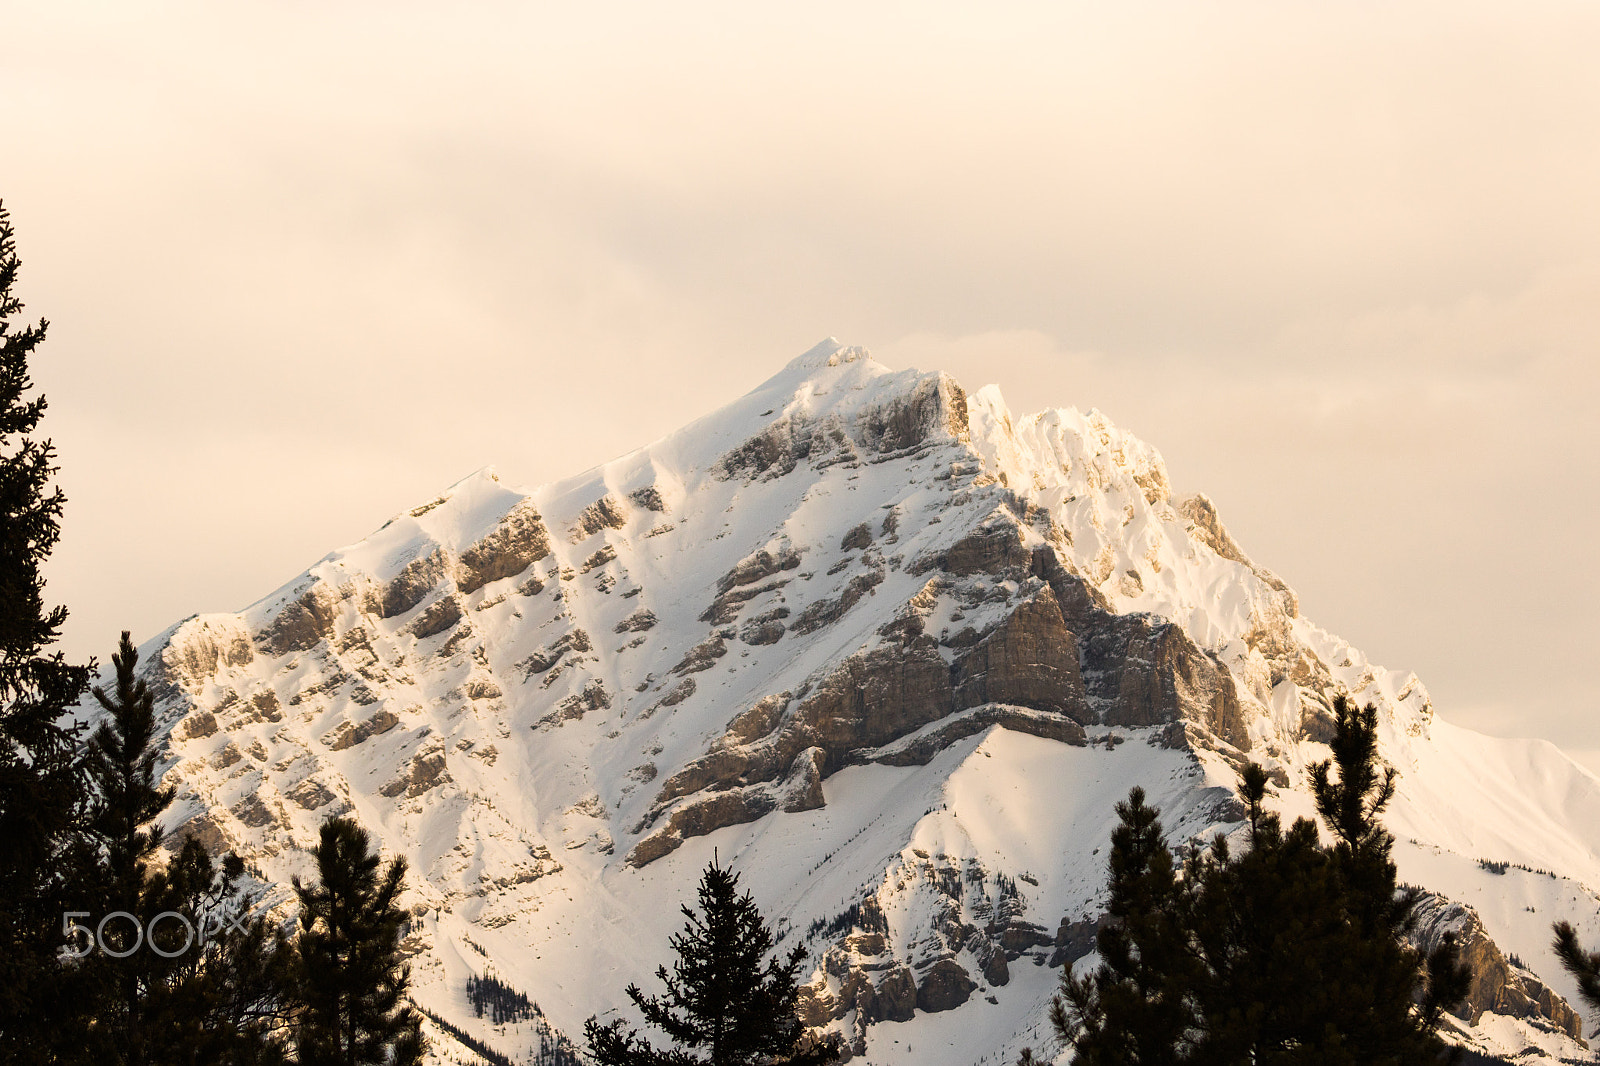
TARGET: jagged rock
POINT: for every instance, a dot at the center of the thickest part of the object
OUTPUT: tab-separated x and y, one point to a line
814	1006
725	608
679	692
1206	527
427	771
196	726
331	682
598	559
441	615
1074	940
1162	677
765	628
920	752
826	612
802	791
264	707
1031	660
1496	985
757	567
702	656
458	639
605	513
945	986
254	813
202	646
637	622
518	541
310	794
483	688
994	549
755	722
348	734
936	405
575	640
411	586
594	697
1317	723
701	817
649	498
895	998
1018	936
773	452
302	624
1550	1005
876	697
868	943
859	537
991	961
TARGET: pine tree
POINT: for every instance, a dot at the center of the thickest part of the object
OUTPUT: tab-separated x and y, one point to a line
349	982
121	763
721	997
192	982
41	771
1287	953
1137	1007
1391	999
224	1001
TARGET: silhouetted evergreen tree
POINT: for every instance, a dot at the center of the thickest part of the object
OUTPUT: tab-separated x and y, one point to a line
727	1003
193	981
1288	953
1137	1007
122	765
350	984
41	772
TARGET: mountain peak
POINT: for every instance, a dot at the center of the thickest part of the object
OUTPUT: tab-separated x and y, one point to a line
892	650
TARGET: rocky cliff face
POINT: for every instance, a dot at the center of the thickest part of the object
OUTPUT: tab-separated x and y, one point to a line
895	649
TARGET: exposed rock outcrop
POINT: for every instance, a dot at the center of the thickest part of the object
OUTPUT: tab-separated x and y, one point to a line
439	616
409	587
518	541
302	623
1031	660
1497	985
1157	675
944	986
607	512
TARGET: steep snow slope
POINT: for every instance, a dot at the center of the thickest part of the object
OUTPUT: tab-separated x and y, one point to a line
891	651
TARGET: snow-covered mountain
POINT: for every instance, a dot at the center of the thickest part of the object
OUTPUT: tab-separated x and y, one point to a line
890	651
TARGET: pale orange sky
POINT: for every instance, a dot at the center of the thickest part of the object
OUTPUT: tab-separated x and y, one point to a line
306	264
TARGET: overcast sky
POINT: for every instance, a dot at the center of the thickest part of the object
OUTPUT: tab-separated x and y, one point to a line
308	263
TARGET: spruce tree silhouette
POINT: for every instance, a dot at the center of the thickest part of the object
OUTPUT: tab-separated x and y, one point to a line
350	983
41	765
184	978
724	1005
